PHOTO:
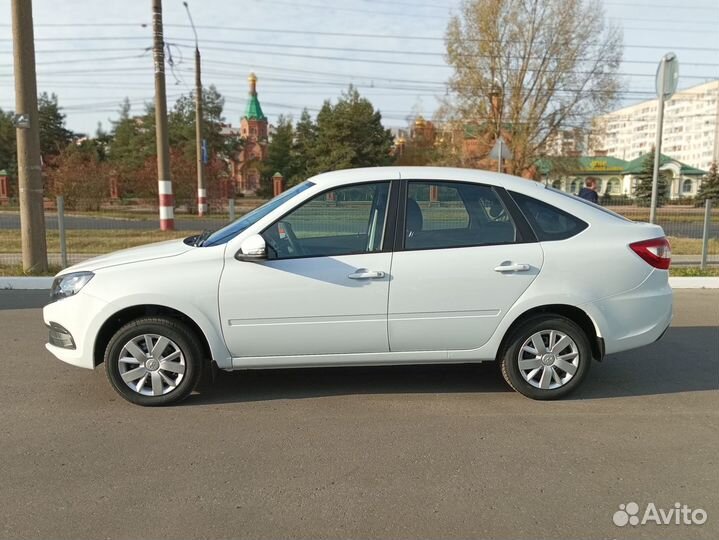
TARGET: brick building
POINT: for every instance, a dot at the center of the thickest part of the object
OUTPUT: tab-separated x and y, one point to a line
246	167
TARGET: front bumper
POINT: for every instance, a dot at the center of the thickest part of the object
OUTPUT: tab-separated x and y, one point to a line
74	323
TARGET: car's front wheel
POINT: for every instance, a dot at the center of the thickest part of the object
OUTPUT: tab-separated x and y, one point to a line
547	357
153	361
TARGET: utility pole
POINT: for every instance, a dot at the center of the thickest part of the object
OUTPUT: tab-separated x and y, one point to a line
164	181
201	190
32	216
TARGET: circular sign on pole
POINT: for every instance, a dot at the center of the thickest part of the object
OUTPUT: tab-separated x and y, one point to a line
667	75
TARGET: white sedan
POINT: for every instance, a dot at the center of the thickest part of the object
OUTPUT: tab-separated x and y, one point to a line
383	266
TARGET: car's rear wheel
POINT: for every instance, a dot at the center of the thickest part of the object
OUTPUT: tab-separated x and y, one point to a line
153	361
546	357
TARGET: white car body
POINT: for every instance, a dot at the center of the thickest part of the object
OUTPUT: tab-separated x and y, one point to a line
430	306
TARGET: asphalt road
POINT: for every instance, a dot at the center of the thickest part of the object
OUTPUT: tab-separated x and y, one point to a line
412	452
8	220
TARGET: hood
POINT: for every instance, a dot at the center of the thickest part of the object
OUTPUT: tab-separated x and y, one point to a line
148	252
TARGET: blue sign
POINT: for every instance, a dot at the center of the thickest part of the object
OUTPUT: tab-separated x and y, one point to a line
204	151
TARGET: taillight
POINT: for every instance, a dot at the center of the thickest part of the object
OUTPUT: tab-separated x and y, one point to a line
656	252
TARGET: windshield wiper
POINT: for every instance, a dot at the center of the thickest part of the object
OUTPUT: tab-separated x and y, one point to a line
200	238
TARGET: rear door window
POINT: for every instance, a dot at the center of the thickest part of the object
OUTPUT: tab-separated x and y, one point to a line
442	214
548	222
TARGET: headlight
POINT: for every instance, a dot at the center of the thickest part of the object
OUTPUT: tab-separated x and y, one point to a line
69	284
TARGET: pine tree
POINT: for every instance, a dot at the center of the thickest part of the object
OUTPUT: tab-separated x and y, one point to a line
644	179
54	137
301	153
709	188
350	134
279	155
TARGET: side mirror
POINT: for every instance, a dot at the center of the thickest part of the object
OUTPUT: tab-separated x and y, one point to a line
253	249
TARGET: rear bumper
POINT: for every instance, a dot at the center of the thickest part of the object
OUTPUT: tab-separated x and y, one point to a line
634	318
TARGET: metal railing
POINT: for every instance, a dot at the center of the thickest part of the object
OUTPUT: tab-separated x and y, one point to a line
75	233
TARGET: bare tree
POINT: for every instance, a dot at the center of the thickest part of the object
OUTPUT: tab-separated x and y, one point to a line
527	68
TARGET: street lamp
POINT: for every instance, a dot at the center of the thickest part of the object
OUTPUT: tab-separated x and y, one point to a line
201	190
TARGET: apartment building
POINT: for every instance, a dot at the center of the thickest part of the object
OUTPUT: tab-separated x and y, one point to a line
691	128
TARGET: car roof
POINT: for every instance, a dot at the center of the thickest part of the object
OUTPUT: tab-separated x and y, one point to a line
506	181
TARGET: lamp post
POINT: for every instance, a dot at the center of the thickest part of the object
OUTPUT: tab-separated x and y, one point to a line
201	190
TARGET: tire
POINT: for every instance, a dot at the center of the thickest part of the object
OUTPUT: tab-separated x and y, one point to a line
559	369
165	378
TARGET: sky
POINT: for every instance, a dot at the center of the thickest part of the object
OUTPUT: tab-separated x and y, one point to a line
94	53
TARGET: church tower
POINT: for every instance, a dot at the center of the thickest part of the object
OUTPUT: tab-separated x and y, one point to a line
253	129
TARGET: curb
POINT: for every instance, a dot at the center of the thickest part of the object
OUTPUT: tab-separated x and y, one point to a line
32	283
694	282
25	283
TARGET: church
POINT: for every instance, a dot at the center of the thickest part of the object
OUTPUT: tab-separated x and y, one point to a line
247	164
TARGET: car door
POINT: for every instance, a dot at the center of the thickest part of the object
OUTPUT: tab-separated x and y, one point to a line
462	261
324	287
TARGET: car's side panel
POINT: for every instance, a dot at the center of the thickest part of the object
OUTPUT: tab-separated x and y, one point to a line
453	299
191	291
305	306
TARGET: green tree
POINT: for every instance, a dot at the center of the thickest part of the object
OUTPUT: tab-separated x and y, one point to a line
644	178
532	67
349	134
54	137
8	149
709	188
305	136
181	121
279	154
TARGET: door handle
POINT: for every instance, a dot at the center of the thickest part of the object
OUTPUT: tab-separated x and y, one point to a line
363	273
512	267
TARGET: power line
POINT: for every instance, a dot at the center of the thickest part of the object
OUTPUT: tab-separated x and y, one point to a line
330	34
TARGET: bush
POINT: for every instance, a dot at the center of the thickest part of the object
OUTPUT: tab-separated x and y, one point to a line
80	177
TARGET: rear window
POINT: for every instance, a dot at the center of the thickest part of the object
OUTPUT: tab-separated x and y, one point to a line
590	203
547	221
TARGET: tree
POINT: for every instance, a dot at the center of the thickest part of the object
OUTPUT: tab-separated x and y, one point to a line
349	134
279	155
80	176
305	136
132	138
181	121
644	178
531	67
8	148
54	137
709	188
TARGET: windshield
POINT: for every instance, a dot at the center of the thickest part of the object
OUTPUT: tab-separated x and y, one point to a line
228	232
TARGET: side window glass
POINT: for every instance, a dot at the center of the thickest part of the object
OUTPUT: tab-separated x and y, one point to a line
455	214
343	221
547	221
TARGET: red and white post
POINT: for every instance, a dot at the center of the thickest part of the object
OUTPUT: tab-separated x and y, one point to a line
167	205
201	201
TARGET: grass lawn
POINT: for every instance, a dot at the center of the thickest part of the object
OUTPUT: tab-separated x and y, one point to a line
691	246
92	241
694	271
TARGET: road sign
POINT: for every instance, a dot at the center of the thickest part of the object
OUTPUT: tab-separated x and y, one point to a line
500	150
667	75
666	81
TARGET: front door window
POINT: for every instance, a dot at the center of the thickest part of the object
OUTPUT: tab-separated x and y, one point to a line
344	221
